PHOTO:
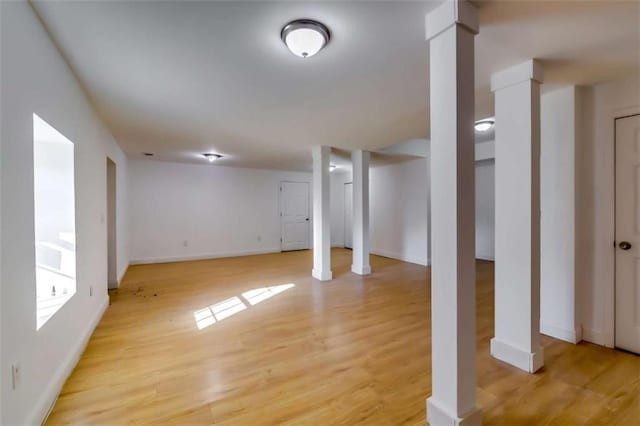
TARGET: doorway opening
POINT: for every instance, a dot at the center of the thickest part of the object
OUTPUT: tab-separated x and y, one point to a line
348	215
112	254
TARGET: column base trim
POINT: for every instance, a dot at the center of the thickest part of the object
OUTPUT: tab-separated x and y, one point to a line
361	270
437	416
527	361
322	275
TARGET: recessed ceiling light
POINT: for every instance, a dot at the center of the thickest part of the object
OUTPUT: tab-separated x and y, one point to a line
305	37
211	157
484	125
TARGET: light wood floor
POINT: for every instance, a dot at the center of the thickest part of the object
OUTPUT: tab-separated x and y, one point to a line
353	350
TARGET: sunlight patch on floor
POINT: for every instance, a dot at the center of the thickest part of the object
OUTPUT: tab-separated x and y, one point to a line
226	308
258	295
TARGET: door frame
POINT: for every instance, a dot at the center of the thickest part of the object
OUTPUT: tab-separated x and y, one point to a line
309	207
610	307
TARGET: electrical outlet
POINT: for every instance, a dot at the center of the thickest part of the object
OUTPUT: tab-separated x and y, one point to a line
185	243
16	373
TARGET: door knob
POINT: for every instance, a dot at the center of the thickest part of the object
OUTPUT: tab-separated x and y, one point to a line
624	245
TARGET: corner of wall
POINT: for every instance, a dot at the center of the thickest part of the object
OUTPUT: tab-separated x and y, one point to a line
123	272
568	335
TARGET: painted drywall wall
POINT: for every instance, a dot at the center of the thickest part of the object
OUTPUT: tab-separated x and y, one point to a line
185	211
595	202
560	119
485	209
399	211
399	208
338	180
36	79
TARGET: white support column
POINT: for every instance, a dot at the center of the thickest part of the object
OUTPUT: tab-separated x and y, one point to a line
361	246
517	242
321	214
450	30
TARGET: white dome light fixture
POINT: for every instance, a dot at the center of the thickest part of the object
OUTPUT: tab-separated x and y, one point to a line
305	37
212	157
483	126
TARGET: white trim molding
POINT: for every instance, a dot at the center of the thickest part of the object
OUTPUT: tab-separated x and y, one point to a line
207	256
400	256
568	335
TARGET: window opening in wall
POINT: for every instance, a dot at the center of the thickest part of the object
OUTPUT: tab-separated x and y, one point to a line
54	217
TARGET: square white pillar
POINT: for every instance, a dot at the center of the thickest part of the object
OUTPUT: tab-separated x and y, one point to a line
517	241
321	214
361	246
451	29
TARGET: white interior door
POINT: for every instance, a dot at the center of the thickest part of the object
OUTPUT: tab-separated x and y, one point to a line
294	215
628	233
348	215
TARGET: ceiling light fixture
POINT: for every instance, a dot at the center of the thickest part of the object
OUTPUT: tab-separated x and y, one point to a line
484	125
212	157
305	37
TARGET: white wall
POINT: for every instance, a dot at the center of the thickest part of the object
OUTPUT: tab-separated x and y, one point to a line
578	208
485	209
338	179
560	119
399	211
217	211
35	79
595	203
399	206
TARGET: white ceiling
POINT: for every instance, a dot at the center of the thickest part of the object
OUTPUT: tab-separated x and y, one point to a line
182	78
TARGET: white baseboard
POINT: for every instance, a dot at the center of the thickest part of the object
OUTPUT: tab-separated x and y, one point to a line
169	259
527	361
598	337
398	256
488	257
43	406
568	335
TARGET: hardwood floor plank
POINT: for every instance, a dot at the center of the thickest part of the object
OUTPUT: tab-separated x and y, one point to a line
355	350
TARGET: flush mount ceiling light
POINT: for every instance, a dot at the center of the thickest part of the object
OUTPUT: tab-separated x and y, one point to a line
212	157
484	125
305	37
